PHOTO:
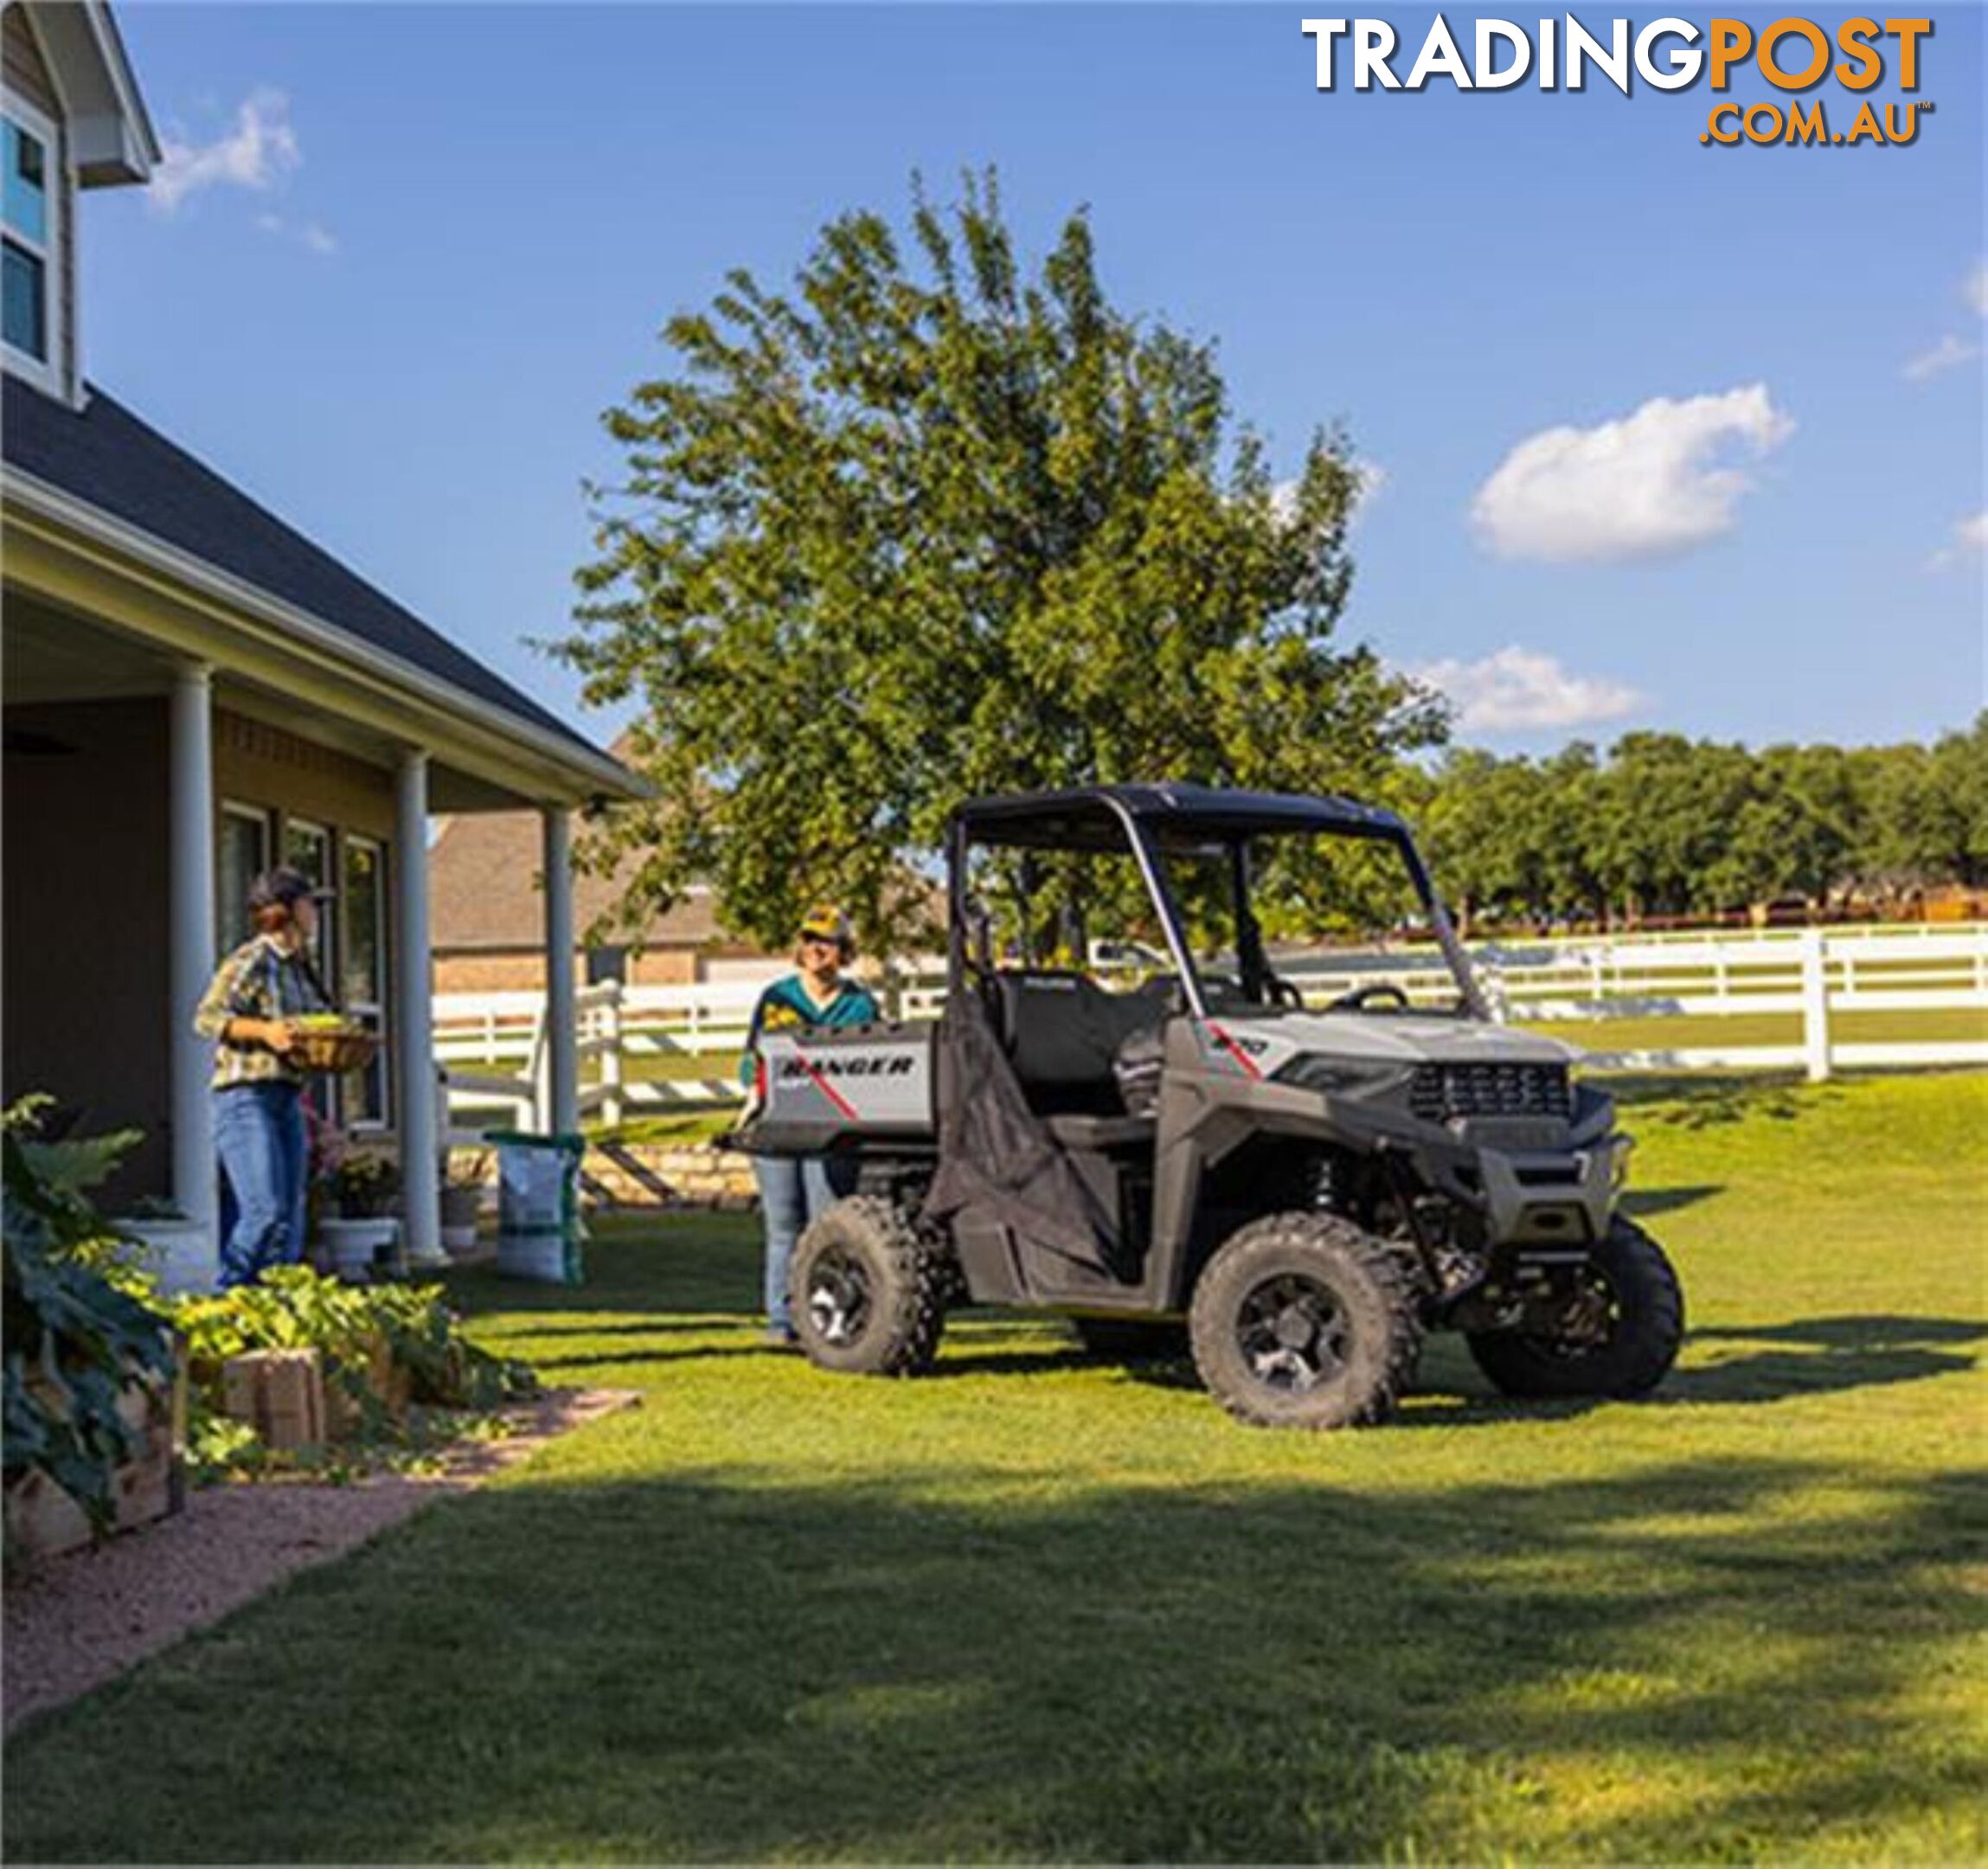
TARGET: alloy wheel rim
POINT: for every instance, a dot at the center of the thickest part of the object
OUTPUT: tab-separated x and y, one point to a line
1589	1323
838	1297
1293	1333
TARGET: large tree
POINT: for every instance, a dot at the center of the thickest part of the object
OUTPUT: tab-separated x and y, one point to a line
931	524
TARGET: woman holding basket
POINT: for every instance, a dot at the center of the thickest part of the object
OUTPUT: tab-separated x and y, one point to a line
251	1011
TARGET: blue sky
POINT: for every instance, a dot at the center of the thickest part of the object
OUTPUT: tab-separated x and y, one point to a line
410	253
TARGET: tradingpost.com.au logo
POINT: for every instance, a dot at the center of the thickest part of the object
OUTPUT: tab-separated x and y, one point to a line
1792	56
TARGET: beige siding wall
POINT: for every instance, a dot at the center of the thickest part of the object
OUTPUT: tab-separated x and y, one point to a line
257	764
23	57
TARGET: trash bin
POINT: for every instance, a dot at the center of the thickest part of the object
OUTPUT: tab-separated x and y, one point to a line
539	1227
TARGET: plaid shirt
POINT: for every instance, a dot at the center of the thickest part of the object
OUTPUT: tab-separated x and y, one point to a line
258	981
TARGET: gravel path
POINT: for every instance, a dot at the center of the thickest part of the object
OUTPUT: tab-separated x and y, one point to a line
73	1622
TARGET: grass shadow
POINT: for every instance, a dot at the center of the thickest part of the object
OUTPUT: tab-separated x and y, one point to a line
937	1665
1643	1203
1825	1354
1704	1101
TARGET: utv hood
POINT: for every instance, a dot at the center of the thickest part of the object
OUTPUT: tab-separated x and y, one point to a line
1404	1038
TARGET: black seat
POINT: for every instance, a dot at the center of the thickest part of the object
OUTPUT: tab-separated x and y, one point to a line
1062	1031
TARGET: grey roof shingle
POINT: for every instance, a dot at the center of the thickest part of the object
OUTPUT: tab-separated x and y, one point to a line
103	454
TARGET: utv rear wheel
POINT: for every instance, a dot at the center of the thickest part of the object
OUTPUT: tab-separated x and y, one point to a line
1302	1321
1618	1335
867	1292
1130	1339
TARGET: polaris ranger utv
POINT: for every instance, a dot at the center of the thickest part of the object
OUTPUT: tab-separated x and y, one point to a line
1313	1189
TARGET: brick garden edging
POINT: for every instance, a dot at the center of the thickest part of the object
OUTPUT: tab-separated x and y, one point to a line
625	1174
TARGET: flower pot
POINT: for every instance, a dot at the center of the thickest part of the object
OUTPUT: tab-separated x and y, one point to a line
361	1248
183	1255
459	1209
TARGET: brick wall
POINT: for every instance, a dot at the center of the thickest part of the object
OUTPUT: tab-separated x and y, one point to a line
522	969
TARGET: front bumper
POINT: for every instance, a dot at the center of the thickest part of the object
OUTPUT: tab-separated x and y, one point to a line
1547	1200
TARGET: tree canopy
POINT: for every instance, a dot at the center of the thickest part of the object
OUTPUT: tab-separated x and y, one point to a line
932	523
1666	825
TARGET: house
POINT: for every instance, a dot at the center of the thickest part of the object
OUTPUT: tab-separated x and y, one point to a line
193	691
487	920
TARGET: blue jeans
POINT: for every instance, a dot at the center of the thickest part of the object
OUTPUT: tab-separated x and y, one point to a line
259	1132
794	1190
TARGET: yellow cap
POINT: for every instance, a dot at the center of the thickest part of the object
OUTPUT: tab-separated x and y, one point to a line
825	921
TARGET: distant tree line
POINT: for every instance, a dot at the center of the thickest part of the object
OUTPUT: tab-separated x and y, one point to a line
1665	826
938	521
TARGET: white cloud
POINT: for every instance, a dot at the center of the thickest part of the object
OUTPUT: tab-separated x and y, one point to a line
1639	487
1974	288
1369	477
1519	690
1949	353
1970	540
257	153
312	234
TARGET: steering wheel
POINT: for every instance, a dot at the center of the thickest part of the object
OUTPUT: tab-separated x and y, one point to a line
1362	997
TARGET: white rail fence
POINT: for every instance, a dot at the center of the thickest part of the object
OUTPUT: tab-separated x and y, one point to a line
651	1050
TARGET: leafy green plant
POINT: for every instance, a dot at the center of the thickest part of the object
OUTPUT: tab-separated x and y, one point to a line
74	1342
363	1186
355	1330
468	1170
73	1164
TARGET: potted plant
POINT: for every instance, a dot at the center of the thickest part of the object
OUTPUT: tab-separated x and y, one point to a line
182	1255
462	1199
327	1146
362	1230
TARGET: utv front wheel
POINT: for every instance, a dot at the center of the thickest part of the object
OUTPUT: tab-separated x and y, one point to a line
1618	1334
866	1292
1302	1321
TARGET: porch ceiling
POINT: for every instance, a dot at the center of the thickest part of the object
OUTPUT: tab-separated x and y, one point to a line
50	655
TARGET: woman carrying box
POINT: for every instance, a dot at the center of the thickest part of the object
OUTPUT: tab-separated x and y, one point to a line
795	1189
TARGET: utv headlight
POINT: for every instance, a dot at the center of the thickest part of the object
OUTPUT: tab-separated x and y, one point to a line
1618	1163
1312	1071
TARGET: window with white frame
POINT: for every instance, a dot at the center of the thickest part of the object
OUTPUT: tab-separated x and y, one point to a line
307	849
362	971
242	855
30	241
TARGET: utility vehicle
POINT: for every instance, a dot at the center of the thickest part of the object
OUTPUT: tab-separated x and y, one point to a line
1310	1189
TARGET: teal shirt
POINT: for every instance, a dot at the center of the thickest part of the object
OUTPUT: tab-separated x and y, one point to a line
786	1006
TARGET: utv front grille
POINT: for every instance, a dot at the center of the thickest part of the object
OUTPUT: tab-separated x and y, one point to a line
1439	1092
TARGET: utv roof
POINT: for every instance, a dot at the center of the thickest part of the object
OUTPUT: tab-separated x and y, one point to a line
1171	813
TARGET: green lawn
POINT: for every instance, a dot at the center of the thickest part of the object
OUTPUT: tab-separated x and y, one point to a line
1037	1608
1738	1029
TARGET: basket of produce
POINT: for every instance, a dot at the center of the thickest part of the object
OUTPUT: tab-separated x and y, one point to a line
329	1041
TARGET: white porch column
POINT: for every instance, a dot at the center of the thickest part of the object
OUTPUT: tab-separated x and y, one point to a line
561	1017
192	957
413	1016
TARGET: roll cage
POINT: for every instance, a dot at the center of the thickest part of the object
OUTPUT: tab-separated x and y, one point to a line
1148	821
